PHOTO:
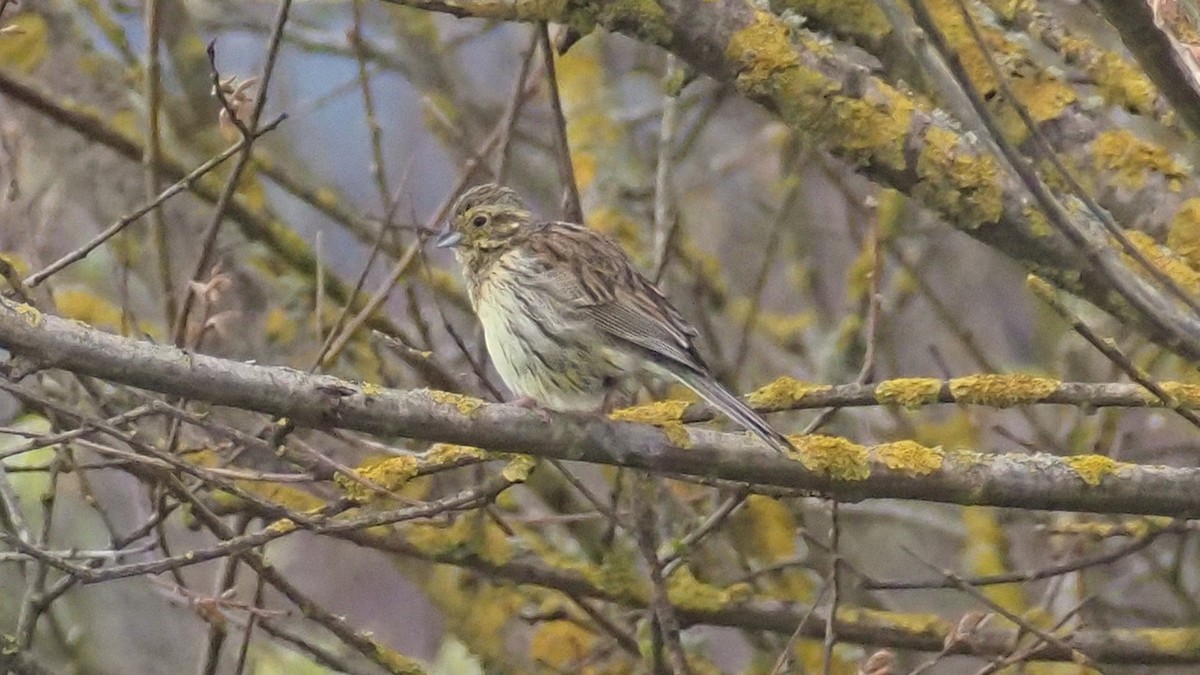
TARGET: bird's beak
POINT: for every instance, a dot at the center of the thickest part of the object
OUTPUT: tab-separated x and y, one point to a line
448	238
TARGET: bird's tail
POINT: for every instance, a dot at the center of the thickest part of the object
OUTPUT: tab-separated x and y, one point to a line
737	410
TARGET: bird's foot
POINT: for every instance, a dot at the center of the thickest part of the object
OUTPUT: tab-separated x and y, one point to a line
530	403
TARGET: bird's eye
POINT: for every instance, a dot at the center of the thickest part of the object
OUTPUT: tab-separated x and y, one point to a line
479	221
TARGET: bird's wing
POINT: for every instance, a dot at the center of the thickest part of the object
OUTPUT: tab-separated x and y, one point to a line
595	275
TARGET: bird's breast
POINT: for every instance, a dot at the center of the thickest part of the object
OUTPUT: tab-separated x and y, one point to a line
538	343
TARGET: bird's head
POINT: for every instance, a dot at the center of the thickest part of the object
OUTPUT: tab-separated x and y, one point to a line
484	218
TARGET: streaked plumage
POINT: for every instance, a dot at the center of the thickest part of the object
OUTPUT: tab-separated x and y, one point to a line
567	318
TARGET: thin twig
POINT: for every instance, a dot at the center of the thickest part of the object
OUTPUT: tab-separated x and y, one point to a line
645	504
978	595
666	221
151	157
1046	294
512	111
209	239
770	253
710	524
216	629
1086	562
785	654
870	328
572	206
124	221
832	582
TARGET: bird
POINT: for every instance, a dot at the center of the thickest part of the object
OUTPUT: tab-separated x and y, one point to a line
568	320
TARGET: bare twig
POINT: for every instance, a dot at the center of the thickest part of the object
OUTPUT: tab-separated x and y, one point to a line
979	596
1138	544
645	501
182	184
1046	294
209	239
572	206
832	582
151	158
665	219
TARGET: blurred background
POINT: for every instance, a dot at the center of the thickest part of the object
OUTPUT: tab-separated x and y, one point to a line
787	261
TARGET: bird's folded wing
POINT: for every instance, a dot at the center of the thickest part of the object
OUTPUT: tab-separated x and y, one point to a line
662	338
593	274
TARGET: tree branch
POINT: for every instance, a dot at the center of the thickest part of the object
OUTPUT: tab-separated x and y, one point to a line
835	466
892	138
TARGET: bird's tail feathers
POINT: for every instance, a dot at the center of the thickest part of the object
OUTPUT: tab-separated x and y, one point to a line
735	408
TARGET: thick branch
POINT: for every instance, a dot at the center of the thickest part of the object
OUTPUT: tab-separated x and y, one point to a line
851	472
1155	53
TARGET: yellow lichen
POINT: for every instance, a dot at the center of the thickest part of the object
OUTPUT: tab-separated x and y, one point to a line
1037	224
389	474
1131	160
677	434
867	127
960	183
282	526
859	274
560	644
689	593
785	329
519	469
1043	94
1009	10
88	308
1122	83
397	663
1045	97
910	622
619	575
25	45
663	414
659	412
910	392
760	51
593	135
835	457
1171	265
1184	235
764	530
283	494
477	612
557	560
465	404
874	130
985	553
910	457
279	327
467	536
862	19
30	314
370	389
1092	468
448	453
1169	641
1001	391
1098	531
647	18
783	393
16	262
1185	394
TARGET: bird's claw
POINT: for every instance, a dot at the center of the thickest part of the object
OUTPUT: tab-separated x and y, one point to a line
529	403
